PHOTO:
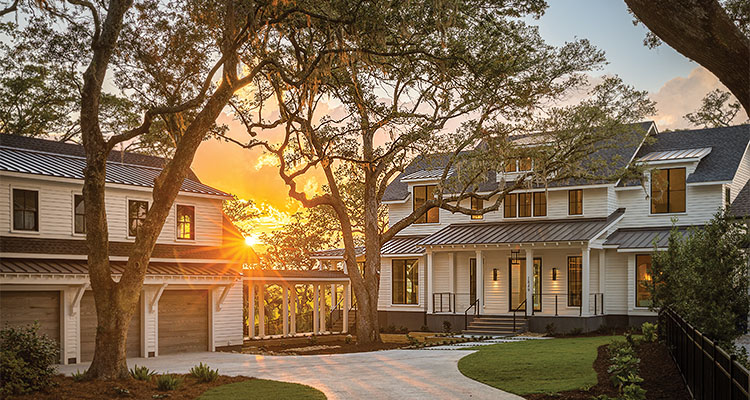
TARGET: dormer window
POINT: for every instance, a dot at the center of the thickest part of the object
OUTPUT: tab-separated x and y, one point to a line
511	166
421	194
477	204
668	190
524	164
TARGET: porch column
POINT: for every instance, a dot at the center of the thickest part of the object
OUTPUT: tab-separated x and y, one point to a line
334	295
285	310
251	310
322	311
602	277
529	282
429	283
347	305
293	324
316	310
480	279
585	279
452	280
262	310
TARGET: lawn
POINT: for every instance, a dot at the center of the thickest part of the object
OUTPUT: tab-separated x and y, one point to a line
262	389
536	366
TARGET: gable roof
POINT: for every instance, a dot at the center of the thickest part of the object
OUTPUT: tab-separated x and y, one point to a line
740	207
65	160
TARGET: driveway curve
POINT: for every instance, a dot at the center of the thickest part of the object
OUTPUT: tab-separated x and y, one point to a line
390	374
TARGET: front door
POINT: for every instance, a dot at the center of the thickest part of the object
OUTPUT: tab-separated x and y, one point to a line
472	280
517	283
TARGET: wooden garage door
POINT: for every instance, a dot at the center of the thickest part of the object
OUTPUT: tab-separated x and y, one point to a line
23	308
183	321
88	330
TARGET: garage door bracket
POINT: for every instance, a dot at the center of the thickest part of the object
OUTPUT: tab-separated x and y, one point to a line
157	296
223	296
76	304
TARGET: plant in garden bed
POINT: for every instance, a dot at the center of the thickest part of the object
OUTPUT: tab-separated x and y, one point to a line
26	360
141	373
624	369
168	382
203	373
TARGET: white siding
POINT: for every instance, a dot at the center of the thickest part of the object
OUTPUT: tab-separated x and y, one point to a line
742	175
56	212
616	293
227	322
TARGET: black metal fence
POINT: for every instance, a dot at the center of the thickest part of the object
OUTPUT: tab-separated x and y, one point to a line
708	370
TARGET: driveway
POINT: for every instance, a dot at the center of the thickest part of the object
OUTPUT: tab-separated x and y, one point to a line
391	374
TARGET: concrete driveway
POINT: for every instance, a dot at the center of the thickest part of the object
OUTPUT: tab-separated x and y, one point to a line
391	374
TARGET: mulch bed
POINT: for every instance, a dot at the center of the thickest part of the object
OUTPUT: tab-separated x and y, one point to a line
66	388
329	347
661	379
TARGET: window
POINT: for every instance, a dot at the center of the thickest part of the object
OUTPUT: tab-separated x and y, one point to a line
477	204
25	210
405	281
668	190
575	272
511	166
185	222
524	164
509	205
575	202
137	210
421	194
642	280
524	204
540	204
79	214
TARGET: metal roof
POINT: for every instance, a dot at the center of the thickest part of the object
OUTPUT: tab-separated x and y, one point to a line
676	154
426	174
399	245
294	274
67	166
80	267
522	231
642	238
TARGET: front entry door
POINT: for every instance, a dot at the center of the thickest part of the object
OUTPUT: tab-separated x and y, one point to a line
472	280
517	283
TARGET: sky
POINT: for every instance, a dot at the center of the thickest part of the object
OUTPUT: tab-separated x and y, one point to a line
676	83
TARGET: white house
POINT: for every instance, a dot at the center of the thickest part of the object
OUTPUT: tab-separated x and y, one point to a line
192	295
578	253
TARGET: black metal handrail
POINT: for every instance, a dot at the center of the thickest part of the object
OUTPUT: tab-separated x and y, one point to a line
438	305
475	304
517	309
335	308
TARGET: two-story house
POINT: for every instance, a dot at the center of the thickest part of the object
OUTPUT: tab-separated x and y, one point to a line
573	255
192	294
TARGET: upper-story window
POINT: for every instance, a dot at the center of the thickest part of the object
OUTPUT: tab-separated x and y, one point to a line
137	210
524	164
510	203
518	165
79	214
524	205
477	204
25	210
575	202
185	222
668	190
421	194
540	204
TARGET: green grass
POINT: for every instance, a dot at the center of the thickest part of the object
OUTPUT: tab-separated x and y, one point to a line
536	366
262	389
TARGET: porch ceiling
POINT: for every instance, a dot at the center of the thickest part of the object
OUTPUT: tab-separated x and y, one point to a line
523	231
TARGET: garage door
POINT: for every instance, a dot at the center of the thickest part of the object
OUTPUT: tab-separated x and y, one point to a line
88	330
23	308
183	321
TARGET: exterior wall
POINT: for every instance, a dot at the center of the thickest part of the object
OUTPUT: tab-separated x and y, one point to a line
742	176
702	203
56	212
227	321
616	293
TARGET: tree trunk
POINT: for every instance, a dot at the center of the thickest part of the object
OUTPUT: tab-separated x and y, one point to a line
702	31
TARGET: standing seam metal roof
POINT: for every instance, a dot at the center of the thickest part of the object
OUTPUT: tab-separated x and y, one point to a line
80	267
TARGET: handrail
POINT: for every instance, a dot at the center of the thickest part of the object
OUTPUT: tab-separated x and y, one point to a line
523	304
475	304
337	307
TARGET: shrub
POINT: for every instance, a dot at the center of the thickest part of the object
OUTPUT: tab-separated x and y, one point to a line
78	376
447	326
424	328
551	329
348	339
141	373
633	392
575	331
649	331
204	373
168	382
26	360
312	340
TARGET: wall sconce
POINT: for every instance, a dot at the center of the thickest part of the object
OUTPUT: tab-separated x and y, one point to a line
554	274
514	255
494	274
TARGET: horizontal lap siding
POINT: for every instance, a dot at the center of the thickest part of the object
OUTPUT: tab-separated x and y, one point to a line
228	320
616	295
741	177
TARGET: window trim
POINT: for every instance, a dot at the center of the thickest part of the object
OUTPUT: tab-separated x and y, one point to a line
38	191
426	214
127	213
568	280
635	297
73	195
405	260
651	193
177	223
570	191
481	206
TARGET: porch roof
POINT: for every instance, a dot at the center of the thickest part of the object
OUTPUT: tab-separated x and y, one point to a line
399	245
294	275
31	266
642	238
584	229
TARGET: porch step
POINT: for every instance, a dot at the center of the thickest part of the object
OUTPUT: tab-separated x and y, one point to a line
338	326
496	326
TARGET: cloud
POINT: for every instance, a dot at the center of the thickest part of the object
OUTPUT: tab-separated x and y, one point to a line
682	95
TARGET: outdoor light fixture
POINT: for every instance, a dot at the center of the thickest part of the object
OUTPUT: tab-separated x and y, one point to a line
554	274
494	274
514	254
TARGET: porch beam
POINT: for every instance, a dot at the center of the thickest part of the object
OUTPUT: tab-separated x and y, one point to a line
585	280
529	282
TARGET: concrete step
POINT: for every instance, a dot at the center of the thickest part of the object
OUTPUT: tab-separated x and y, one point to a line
495	328
500	323
488	333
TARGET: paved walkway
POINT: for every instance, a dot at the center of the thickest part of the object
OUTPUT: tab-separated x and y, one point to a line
391	374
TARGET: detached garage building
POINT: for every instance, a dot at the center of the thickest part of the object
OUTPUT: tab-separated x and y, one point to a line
192	294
